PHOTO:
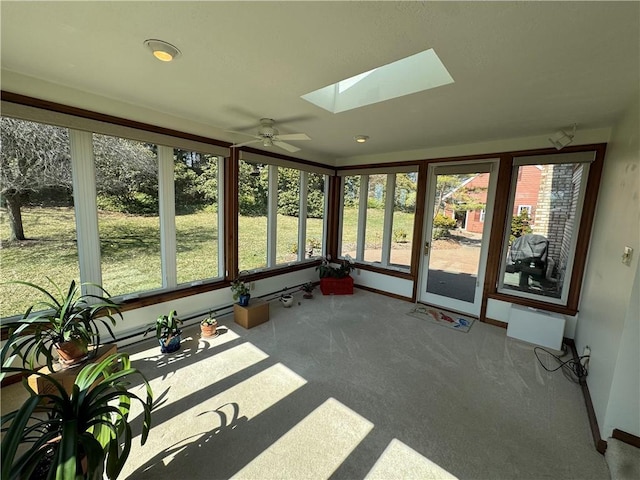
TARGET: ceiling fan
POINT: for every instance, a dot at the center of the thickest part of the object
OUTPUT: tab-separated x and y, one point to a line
268	135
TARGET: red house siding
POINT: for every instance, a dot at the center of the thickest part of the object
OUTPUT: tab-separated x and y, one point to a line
526	194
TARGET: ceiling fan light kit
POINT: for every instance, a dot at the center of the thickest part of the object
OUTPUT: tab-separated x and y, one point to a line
268	135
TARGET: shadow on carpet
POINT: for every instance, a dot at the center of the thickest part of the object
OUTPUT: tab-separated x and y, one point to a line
442	317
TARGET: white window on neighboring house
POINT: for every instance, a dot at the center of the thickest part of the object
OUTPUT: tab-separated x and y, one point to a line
482	213
524	208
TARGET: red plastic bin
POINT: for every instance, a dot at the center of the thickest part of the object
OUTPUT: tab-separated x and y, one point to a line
336	286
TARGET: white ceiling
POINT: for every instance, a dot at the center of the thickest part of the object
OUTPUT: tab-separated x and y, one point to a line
520	68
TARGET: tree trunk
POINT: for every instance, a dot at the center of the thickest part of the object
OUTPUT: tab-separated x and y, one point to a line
14	203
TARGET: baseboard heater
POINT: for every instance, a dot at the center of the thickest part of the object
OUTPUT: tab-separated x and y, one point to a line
536	326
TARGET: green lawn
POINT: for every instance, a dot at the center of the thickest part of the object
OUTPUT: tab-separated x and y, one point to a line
130	248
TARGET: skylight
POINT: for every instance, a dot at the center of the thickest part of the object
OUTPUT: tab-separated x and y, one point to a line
416	73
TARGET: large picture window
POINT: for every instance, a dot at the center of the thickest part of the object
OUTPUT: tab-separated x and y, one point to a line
281	213
37	216
545	206
404	210
197	214
376	197
253	195
378	214
128	214
350	215
314	236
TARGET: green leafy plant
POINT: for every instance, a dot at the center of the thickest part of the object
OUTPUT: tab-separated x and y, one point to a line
62	317
238	288
308	287
166	326
209	320
90	424
325	270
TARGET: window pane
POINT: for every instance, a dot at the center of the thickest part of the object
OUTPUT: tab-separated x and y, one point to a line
375	218
37	218
350	215
288	212
543	222
315	215
253	190
196	191
128	219
404	209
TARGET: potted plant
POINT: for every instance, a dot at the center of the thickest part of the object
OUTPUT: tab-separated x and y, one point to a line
335	280
208	326
85	434
308	288
240	292
67	322
167	332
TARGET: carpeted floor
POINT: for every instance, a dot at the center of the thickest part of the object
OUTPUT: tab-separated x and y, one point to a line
352	387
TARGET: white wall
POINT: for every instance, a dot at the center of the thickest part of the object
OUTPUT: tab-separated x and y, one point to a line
608	316
385	283
624	401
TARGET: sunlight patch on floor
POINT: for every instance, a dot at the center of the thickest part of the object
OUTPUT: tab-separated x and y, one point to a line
400	461
237	405
314	448
175	386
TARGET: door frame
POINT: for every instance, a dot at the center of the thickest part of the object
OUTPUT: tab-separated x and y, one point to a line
490	166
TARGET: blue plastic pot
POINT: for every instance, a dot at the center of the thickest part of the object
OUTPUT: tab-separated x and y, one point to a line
172	346
243	301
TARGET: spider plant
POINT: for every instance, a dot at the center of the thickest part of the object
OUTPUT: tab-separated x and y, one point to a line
87	432
69	316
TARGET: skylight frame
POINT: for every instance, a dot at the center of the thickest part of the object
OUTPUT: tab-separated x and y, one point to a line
416	73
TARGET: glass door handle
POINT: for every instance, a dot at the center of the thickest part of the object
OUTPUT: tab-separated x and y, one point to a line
426	248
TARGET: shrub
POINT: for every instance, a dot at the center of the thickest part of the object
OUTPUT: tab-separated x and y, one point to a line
442	226
520	225
400	236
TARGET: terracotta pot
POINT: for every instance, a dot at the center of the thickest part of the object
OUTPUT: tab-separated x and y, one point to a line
208	330
72	352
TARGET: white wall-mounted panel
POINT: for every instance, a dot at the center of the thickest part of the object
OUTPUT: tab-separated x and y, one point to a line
536	326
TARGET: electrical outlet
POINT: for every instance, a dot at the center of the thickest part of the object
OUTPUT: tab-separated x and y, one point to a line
627	254
584	360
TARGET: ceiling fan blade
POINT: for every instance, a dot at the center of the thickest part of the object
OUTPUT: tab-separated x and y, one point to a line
286	146
245	143
294	136
241	133
295	119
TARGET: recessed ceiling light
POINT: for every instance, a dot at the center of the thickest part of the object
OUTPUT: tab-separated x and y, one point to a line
361	138
163	51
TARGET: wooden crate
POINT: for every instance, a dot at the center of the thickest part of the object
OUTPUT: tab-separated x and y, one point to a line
255	313
67	376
